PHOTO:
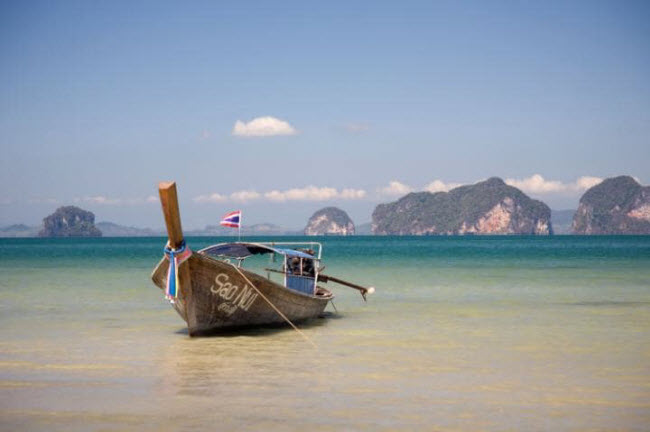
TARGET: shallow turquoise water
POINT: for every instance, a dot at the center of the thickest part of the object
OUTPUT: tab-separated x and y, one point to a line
478	333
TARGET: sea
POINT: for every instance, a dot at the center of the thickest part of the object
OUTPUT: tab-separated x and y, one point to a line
496	333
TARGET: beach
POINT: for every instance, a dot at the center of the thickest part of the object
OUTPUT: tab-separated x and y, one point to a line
463	333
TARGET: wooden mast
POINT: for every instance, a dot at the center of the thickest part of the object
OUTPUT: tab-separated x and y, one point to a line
169	202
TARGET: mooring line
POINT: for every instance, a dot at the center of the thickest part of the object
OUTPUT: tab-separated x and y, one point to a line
275	308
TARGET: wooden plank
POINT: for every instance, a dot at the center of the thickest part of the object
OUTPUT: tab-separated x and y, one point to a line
326	278
169	202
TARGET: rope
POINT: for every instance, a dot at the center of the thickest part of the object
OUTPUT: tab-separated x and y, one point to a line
304	336
176	257
171	251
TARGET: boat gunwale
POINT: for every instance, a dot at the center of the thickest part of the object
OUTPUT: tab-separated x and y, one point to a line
155	276
270	246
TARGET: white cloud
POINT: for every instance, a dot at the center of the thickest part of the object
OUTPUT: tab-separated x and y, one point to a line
152	199
440	186
309	193
586	182
263	126
244	196
395	188
212	198
275	195
352	194
536	184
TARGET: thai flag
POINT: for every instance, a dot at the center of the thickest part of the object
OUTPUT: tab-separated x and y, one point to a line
232	219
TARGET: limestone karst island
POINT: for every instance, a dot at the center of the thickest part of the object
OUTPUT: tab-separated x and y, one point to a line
617	205
488	207
329	221
70	221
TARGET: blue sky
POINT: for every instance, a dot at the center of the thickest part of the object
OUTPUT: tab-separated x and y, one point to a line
101	100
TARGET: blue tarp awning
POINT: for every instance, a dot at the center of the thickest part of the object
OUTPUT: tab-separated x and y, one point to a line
294	253
243	250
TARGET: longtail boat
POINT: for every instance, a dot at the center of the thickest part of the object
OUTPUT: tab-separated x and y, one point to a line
213	291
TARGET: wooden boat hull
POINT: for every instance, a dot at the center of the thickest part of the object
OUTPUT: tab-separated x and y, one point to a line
220	298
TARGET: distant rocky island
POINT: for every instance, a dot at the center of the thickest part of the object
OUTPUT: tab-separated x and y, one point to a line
618	205
488	207
329	221
70	221
110	229
19	230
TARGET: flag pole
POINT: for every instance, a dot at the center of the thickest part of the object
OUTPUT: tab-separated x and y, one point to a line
240	222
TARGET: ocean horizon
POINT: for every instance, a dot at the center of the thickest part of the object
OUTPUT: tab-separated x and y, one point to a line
462	333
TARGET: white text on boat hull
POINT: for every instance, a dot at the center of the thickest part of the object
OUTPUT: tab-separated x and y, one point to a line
236	297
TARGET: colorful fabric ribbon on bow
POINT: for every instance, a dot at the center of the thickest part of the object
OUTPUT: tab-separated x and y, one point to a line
176	257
